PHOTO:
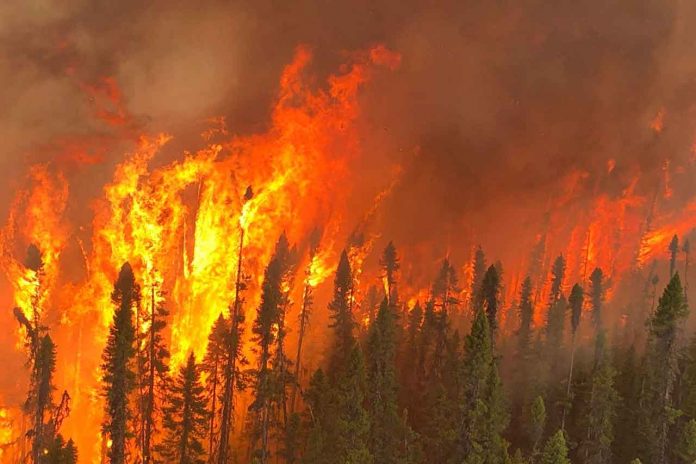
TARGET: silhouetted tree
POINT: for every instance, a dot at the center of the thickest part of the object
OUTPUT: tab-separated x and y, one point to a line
185	417
118	375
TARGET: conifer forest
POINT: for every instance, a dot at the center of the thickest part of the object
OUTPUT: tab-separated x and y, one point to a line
347	232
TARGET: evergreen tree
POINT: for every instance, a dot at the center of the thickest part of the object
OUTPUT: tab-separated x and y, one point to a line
409	363
526	315
484	417
479	270
446	287
41	395
341	316
686	448
557	276
185	417
673	252
350	434
60	452
320	420
556	450
657	406
117	365
390	266
576	300
601	410
153	357
386	427
597	291
213	366
537	423
265	330
490	297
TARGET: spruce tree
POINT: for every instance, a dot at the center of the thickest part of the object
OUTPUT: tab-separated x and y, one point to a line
341	316
42	397
673	252
320	419
557	276
118	375
265	330
153	358
213	366
483	412
526	315
185	417
390	266
575	300
601	409
556	450
350	433
446	288
387	430
657	402
597	292
490	297
479	270
537	423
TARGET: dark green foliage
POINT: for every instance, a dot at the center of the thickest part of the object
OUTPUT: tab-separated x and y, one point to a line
266	329
387	430
479	269
673	251
483	413
657	402
340	309
557	275
597	291
185	417
490	297
118	364
390	266
213	366
600	410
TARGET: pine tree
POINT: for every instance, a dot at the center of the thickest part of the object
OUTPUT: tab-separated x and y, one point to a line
555	451
350	434
557	276
537	423
213	365
490	297
657	399
479	270
686	448
185	417
601	410
597	291
409	363
306	311
484	416
386	427
60	452
265	330
390	266
576	300
117	364
319	419
446	288
341	316
673	252
153	357
41	396
526	315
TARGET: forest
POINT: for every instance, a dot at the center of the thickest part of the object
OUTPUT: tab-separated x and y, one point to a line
440	381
